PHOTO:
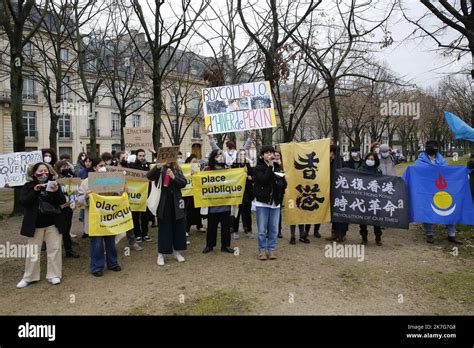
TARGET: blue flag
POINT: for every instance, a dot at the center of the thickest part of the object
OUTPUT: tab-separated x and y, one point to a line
439	194
460	129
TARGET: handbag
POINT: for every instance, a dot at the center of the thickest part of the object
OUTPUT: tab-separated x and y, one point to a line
153	200
46	208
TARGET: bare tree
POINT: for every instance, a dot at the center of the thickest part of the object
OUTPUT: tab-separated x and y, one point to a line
20	20
277	23
346	46
162	38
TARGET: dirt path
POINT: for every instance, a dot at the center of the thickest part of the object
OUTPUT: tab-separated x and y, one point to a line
404	276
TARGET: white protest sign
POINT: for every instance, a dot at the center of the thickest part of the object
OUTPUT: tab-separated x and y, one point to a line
13	166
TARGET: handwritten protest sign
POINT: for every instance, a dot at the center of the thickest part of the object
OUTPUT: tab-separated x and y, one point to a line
13	167
167	154
238	108
106	182
130	174
138	138
70	188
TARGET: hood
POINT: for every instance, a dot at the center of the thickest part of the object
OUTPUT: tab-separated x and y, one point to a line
29	172
424	159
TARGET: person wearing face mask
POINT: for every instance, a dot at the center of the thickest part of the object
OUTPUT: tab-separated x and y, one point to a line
141	219
107	158
432	156
355	160
80	162
193	214
269	188
387	162
218	215
96	247
64	171
49	156
371	165
245	209
41	224
171	212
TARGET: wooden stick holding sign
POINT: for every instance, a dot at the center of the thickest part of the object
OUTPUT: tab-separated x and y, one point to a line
106	182
167	154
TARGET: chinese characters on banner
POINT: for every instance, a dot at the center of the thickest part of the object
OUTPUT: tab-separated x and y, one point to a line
369	199
307	172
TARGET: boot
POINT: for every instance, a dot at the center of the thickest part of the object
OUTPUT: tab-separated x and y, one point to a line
333	236
378	241
454	240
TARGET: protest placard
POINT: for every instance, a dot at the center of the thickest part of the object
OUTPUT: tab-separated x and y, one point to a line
138	138
238	108
106	182
130	174
109	215
13	167
219	187
167	154
70	188
188	170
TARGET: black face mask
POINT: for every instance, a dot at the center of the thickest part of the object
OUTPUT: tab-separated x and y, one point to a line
65	172
431	151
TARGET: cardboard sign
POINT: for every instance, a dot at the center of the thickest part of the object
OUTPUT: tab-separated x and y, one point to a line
167	154
13	167
138	138
238	108
106	182
130	174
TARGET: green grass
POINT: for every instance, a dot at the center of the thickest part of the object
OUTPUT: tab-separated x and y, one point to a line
462	161
456	286
221	303
464	233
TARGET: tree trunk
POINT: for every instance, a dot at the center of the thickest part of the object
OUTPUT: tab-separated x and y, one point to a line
334	112
53	131
157	106
92	130
123	123
16	88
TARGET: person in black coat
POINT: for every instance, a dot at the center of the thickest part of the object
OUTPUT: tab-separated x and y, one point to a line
355	160
371	165
141	218
269	188
171	212
245	209
43	220
470	166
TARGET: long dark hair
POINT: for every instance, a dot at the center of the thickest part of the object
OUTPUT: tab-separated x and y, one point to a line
54	157
376	158
212	158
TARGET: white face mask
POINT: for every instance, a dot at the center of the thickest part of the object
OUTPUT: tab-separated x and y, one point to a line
83	158
47	159
102	170
370	163
354	154
384	154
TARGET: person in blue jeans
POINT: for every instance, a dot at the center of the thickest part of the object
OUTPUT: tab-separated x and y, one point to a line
432	156
96	247
269	188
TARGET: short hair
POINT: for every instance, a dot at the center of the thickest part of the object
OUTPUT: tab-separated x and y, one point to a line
106	156
231	144
64	156
190	158
140	150
431	143
267	148
96	161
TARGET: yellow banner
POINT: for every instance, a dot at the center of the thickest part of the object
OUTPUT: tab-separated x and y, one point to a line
307	172
137	194
219	187
109	215
187	171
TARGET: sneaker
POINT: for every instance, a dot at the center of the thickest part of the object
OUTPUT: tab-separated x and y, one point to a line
136	247
98	274
202	229
22	284
161	260
73	235
54	281
188	242
280	235
454	240
271	255
250	235
187	234
261	255
236	235
139	239
378	242
178	257
147	239
430	239
116	269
